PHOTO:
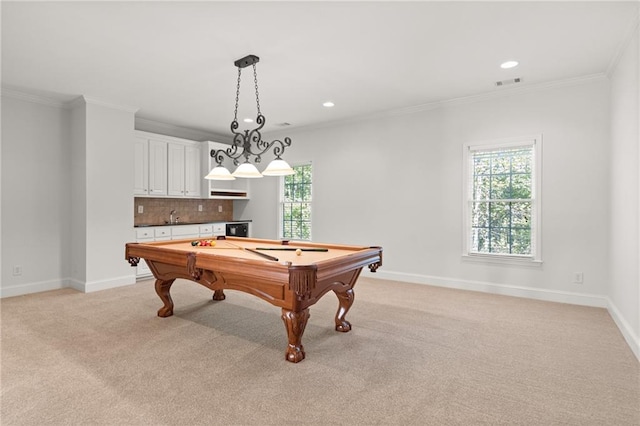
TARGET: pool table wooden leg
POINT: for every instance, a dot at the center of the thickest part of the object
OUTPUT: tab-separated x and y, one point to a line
219	295
345	299
162	289
295	323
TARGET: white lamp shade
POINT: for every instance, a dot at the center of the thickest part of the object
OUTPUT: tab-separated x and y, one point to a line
219	173
278	167
247	170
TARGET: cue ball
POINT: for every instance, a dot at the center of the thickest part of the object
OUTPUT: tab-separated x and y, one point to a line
298	252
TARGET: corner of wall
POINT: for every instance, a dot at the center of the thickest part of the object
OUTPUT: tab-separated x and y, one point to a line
625	328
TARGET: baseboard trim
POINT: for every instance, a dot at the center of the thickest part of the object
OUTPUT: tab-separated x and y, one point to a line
76	285
503	289
632	339
37	287
90	287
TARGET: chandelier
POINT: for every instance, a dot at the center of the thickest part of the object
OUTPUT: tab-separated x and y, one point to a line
249	143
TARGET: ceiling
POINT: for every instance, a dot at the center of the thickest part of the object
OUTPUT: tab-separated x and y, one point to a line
174	60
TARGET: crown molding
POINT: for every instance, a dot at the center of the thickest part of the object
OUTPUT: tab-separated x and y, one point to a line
60	101
76	103
518	90
16	93
87	100
147	125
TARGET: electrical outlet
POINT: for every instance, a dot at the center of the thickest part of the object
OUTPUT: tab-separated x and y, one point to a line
219	209
578	277
199	207
140	209
17	270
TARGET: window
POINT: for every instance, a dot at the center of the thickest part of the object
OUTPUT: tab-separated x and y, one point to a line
502	200
296	204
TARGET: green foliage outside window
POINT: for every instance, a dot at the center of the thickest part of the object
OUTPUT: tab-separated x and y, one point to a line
296	205
501	203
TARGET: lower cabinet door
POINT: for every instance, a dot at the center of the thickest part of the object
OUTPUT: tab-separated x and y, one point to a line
142	270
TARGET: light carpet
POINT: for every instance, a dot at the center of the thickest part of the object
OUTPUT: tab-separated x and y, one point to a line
416	355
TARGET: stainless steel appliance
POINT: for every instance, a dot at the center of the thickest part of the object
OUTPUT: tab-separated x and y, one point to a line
240	229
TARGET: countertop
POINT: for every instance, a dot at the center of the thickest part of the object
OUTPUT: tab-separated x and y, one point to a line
191	223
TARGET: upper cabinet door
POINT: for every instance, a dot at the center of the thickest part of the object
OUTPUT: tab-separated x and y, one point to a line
141	167
157	167
184	170
176	170
192	172
166	166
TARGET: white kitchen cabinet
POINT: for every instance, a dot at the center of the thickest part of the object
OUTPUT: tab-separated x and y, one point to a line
143	235
157	167
184	170
162	233
175	162
150	167
141	166
219	229
222	189
205	230
142	270
185	231
166	166
149	234
193	176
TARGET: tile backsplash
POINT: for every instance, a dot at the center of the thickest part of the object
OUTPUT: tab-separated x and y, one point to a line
156	211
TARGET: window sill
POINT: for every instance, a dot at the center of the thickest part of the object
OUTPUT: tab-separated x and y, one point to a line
499	259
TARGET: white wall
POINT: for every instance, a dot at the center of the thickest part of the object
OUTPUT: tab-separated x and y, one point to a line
67	198
396	181
103	194
35	196
624	281
109	195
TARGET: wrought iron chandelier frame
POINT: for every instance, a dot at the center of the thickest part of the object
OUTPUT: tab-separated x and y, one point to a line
244	141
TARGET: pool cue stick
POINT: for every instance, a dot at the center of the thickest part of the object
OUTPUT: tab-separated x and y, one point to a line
292	249
275	259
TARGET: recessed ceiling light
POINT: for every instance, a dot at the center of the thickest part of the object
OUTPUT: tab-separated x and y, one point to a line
328	104
509	64
248	120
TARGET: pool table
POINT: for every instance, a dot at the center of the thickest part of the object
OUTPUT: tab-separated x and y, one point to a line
291	275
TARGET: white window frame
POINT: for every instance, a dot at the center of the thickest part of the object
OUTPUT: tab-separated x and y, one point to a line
535	259
281	201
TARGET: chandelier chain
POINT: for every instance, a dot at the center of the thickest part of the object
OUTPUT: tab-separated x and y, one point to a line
235	112
255	79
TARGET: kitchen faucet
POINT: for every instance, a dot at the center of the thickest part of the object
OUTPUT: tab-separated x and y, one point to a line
171	216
